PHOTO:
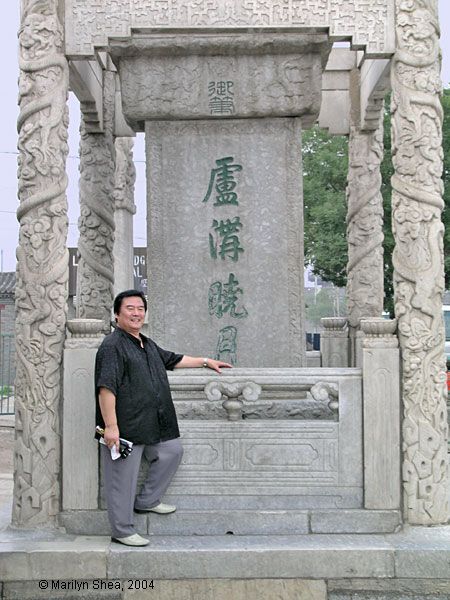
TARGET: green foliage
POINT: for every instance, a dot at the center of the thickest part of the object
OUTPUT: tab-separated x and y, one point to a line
325	165
6	391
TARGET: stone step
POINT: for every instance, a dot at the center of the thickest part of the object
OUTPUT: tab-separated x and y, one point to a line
240	522
415	553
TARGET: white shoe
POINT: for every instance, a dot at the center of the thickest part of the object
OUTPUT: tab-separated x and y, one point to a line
160	509
132	540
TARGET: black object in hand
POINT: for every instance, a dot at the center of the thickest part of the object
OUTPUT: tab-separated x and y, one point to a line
125	449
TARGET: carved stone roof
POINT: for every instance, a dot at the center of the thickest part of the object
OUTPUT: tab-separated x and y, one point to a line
7	284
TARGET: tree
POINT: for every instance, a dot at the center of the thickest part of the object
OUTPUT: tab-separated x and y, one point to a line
325	165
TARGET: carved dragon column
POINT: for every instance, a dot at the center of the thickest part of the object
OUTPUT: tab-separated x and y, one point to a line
96	222
418	258
42	265
364	230
125	208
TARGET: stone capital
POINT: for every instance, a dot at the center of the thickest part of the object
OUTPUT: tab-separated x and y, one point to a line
334	326
85	333
206	75
379	333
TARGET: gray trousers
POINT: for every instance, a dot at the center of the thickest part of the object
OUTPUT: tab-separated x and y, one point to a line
121	475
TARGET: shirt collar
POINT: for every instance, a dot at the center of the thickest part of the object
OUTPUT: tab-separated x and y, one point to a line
132	337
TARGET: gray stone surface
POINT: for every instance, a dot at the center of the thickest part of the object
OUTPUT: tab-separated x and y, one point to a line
80	462
386	595
241	522
42	262
419	262
264	325
381	384
355	521
334	342
95	522
350	563
124	209
238	589
72	558
147	589
158	83
89	24
315	557
401	589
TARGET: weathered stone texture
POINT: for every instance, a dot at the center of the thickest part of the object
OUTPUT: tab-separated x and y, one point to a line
223	265
91	22
365	225
42	269
418	258
95	275
124	209
381	377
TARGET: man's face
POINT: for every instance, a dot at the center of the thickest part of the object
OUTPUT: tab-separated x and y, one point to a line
131	315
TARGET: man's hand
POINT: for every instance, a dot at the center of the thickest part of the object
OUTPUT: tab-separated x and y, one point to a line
194	362
111	436
216	365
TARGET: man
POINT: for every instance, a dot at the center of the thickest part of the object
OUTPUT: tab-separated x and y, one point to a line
134	403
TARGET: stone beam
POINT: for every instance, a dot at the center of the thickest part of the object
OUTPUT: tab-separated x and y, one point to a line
90	24
86	81
375	83
335	107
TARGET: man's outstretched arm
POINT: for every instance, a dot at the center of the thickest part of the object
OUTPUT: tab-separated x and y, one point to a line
193	362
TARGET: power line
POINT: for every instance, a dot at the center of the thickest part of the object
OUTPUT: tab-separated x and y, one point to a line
70	156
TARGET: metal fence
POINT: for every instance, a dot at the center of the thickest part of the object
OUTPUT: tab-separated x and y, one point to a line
7	374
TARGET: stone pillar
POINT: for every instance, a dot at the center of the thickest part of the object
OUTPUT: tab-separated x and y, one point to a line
418	258
80	449
95	276
124	209
334	342
364	231
381	413
42	263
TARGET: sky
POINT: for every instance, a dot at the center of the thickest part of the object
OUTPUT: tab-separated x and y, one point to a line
8	141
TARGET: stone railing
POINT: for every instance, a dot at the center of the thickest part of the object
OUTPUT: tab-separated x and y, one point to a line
269	439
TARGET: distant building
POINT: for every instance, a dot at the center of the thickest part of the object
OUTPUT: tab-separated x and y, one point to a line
7	317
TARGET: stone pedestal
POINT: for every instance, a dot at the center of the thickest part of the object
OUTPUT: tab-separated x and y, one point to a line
381	385
334	342
80	449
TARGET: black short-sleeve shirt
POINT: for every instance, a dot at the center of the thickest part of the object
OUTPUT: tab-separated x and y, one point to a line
138	379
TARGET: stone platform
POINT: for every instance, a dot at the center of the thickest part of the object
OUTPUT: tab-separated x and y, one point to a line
240	522
413	564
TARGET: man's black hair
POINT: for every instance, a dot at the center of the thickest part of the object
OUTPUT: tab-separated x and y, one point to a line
128	294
